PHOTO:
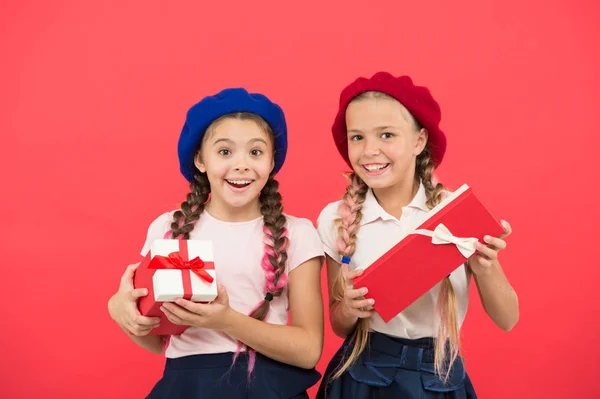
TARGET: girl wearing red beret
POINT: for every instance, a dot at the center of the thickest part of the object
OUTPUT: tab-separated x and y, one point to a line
387	130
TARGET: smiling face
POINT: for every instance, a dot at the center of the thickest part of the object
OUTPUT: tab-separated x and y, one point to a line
383	140
237	157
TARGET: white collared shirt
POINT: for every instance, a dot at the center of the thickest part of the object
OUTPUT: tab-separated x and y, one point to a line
378	233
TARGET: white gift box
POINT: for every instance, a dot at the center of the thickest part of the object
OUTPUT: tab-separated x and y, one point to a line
170	284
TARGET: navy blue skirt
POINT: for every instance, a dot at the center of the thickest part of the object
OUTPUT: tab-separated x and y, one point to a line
213	376
394	368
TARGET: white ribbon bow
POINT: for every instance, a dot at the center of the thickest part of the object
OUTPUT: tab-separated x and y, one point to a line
441	235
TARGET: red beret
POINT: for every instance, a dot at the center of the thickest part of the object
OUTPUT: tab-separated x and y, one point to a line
416	99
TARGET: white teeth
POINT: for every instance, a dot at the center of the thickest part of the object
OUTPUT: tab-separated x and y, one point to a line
240	181
373	168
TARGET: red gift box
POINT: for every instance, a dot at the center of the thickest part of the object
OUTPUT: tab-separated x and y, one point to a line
427	253
175	269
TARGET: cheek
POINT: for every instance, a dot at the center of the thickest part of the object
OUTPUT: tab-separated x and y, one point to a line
262	167
216	168
354	151
397	152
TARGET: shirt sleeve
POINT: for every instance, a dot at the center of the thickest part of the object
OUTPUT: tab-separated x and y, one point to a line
157	230
304	243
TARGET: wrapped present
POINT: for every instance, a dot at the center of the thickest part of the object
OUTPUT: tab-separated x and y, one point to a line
427	253
175	269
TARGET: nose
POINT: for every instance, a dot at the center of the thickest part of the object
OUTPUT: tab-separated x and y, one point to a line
371	148
241	164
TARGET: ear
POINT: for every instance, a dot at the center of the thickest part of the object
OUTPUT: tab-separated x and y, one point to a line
198	162
421	141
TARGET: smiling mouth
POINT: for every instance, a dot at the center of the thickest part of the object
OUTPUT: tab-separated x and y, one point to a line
375	168
238	183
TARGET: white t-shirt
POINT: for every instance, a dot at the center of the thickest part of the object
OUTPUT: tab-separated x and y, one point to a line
379	232
238	250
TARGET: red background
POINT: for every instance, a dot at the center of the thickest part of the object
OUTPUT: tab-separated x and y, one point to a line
94	95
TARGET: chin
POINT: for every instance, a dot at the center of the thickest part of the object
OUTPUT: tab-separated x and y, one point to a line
240	202
376	182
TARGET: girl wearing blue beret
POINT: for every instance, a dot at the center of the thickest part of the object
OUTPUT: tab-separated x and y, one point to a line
267	263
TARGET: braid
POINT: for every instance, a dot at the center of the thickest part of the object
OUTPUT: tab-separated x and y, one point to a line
351	215
448	335
424	171
274	260
348	225
276	243
191	209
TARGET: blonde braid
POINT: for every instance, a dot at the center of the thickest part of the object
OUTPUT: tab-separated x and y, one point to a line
448	335
348	225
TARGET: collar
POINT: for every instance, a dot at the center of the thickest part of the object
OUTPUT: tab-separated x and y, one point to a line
371	210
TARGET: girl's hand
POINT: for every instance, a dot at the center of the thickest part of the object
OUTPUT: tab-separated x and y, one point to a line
123	308
487	255
215	315
354	302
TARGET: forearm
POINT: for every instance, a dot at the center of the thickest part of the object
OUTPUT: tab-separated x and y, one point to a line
287	344
342	324
498	297
152	343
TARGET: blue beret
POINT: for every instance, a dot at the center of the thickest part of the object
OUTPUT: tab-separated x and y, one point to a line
228	101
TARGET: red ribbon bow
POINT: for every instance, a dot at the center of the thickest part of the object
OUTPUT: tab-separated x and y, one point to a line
176	261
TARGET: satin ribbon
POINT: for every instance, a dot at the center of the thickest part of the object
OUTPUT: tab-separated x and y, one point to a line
442	235
179	261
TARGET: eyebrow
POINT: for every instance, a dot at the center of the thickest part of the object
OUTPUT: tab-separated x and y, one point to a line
377	128
226	140
222	140
258	139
